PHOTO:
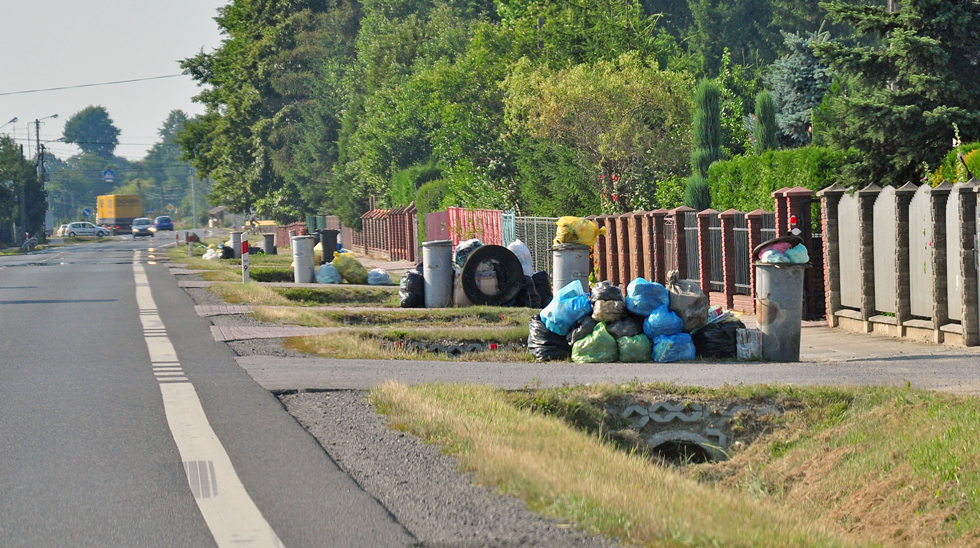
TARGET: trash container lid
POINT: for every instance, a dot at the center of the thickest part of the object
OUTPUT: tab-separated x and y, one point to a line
791	240
437	243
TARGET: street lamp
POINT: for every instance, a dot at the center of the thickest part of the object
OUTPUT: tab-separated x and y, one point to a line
12	121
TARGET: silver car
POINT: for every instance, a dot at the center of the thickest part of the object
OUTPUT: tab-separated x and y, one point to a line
85	229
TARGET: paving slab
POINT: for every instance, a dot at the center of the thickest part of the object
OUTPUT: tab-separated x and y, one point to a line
225	333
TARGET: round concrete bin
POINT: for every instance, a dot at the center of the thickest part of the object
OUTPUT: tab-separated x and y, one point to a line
437	273
779	309
236	244
571	262
302	259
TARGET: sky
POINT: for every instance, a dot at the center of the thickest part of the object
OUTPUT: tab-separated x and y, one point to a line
57	43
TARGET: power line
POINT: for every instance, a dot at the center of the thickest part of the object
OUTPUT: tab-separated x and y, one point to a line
91	85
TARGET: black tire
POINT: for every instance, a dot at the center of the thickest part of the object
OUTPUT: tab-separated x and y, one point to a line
71	234
510	275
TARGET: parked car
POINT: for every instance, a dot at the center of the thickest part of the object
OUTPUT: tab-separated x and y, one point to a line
62	231
162	222
142	227
85	229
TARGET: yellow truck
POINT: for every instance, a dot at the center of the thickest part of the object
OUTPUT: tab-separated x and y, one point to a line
116	212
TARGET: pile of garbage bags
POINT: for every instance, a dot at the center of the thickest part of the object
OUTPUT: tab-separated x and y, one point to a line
345	267
651	322
784	250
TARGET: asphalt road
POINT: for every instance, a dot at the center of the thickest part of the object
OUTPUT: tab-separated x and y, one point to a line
88	455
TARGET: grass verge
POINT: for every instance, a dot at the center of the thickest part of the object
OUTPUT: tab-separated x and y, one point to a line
571	475
396	317
371	346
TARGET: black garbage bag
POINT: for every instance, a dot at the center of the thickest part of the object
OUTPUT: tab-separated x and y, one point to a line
542	282
630	326
717	340
528	295
227	252
582	329
606	291
411	291
545	345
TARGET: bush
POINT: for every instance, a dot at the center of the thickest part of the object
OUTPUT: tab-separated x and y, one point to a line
951	170
405	183
746	183
429	199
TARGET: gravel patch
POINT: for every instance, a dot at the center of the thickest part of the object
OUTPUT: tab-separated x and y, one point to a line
420	485
204	296
264	347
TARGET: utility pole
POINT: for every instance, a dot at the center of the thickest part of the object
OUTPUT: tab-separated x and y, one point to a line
193	200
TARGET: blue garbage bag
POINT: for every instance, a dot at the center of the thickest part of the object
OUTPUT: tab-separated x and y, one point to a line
673	348
569	306
643	297
328	274
662	322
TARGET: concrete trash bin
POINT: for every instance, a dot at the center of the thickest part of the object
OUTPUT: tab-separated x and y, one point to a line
779	309
571	262
302	259
437	273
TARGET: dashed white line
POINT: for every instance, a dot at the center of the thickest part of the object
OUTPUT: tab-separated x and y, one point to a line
229	511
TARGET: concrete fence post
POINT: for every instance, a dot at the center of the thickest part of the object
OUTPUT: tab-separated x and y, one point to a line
637	245
658	219
624	242
679	214
646	228
903	288
866	204
940	285
968	264
728	253
830	202
754	221
704	249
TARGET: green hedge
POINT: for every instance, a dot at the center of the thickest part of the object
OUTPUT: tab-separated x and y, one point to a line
747	182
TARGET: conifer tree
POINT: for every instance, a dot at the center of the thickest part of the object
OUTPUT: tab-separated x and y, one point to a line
707	143
766	129
900	99
798	82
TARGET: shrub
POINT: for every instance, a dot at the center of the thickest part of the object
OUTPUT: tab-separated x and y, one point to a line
746	183
951	170
406	182
429	199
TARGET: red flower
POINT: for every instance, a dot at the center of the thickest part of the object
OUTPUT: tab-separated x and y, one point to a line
493	346
615	197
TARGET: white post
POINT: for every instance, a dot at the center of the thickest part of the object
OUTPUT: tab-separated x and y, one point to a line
245	279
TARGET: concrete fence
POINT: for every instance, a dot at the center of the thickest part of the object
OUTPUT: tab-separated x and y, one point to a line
903	261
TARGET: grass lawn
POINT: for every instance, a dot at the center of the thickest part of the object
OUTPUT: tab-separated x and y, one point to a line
379	344
842	467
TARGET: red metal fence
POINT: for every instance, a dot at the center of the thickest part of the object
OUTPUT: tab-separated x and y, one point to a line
485	224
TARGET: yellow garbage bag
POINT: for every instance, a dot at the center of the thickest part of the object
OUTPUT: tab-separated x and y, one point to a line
576	230
350	268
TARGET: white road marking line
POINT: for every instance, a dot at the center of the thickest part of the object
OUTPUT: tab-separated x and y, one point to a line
229	511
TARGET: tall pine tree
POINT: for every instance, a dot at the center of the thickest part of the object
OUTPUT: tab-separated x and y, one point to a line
707	143
900	99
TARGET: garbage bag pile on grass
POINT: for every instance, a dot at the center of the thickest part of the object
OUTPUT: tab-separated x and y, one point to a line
350	268
606	326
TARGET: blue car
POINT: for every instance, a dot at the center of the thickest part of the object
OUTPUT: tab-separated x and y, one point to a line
162	222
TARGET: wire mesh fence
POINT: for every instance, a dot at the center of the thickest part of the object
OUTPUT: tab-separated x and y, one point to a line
538	233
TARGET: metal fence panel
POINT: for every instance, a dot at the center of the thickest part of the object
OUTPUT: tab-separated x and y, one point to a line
538	233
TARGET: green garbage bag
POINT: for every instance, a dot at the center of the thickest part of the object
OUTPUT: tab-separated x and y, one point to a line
635	349
350	268
599	347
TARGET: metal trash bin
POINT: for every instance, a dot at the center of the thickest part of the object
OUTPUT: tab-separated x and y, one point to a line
779	309
236	244
302	259
571	262
437	273
328	244
269	245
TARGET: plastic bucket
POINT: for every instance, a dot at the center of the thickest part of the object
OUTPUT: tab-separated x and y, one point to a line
571	262
779	309
437	273
302	259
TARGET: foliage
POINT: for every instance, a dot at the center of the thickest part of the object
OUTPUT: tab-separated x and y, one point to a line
741	27
901	99
429	197
617	114
798	82
766	131
18	178
746	183
553	181
697	193
93	131
737	87
406	183
707	143
952	171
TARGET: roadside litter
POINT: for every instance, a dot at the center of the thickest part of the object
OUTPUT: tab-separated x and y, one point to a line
576	230
350	268
328	274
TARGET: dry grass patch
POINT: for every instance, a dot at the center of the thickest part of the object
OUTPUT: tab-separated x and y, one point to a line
239	293
398	317
366	346
570	475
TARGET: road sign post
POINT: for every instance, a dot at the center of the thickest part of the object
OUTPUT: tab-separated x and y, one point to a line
245	278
